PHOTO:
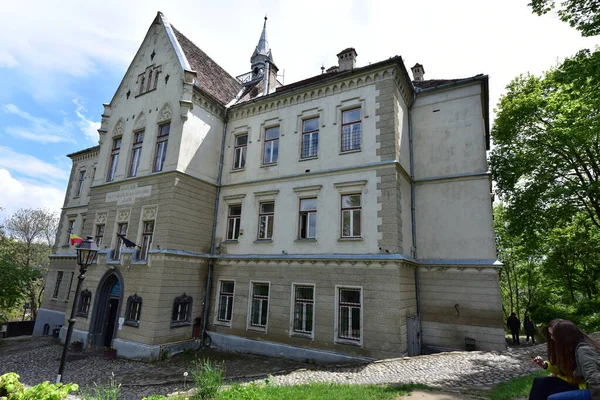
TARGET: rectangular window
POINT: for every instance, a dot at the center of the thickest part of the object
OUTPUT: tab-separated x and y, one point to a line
80	183
239	152
349	314
351	130
70	286
59	277
310	138
308	219
121	232
304	301
233	222
136	152
351	215
114	159
161	147
260	304
146	239
70	227
271	145
181	312
266	217
99	238
226	301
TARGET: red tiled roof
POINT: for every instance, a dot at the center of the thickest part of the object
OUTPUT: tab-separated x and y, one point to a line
211	78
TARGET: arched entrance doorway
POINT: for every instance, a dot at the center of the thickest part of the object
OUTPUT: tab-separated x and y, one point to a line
107	308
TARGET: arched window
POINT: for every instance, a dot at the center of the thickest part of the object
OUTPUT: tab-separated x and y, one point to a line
85	299
181	314
156	79
142	81
149	80
133	310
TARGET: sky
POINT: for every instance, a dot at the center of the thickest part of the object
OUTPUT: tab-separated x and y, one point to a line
60	60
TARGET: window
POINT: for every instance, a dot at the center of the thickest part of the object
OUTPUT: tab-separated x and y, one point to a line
114	159
310	138
351	130
239	152
260	304
149	81
271	145
349	314
99	238
59	277
85	299
161	147
121	232
304	300
146	239
225	301
233	222
308	218
70	286
136	152
351	215
70	227
80	183
142	82
266	216
156	78
133	310
182	311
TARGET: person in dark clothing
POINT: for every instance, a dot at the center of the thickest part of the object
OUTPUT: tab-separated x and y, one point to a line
514	324
529	330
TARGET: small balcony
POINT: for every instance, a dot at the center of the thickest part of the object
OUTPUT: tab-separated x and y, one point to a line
249	77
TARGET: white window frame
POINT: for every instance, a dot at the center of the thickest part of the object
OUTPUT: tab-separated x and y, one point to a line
265	141
292	331
113	161
162	146
309	212
80	183
268	216
68	294
351	211
118	250
243	150
58	282
143	248
311	134
96	234
336	337
70	228
249	325
136	148
216	320
238	223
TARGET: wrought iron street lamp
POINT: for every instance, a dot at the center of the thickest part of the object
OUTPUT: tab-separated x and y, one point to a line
86	255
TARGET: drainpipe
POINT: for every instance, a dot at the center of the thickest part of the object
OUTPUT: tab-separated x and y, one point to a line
412	208
212	259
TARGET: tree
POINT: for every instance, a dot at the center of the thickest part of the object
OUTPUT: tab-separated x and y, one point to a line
546	162
583	15
32	233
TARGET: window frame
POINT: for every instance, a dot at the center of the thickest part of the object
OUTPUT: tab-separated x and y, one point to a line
70	227
311	133
85	301
57	282
268	216
269	141
231	217
351	210
342	124
293	332
307	212
136	148
131	300
183	299
68	294
346	340
80	183
160	140
118	250
96	235
114	158
249	324
217	320
145	248
243	152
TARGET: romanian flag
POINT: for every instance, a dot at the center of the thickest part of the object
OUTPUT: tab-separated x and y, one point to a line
75	240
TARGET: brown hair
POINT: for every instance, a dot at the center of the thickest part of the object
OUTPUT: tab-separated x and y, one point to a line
566	336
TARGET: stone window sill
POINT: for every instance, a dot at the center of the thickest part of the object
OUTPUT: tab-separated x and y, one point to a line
350	239
305	241
350	152
257	328
237	170
134	324
309	158
147	91
302	335
222	323
263	241
355	343
268	165
180	324
230	241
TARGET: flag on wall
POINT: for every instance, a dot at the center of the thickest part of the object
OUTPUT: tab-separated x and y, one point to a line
127	242
75	240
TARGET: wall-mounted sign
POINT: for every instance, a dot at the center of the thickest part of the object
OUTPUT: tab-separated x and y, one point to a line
128	194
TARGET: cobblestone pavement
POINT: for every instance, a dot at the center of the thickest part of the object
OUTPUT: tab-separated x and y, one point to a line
37	359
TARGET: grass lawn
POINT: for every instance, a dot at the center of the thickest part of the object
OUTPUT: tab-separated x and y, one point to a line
515	387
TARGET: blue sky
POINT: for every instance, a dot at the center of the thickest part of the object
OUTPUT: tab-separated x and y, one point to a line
59	61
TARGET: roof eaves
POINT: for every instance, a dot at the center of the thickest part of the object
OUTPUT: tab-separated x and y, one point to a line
183	61
88	150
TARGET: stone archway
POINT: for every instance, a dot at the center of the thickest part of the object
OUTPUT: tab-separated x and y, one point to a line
107	309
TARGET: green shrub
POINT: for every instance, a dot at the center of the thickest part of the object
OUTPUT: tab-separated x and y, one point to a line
99	392
208	379
12	389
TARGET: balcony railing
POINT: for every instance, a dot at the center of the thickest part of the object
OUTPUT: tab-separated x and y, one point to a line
249	77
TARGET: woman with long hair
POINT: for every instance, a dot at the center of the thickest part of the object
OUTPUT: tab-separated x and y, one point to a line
574	362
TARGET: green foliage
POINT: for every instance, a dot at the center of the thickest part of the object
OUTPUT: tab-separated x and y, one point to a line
515	387
583	15
208	379
12	389
103	392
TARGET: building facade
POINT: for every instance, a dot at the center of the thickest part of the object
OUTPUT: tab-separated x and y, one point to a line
344	216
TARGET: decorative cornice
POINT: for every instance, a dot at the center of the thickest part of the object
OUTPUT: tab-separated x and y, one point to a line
207	104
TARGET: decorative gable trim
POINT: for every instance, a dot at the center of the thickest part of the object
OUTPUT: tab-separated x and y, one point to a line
176	46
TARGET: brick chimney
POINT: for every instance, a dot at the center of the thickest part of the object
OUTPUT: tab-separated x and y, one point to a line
418	72
347	59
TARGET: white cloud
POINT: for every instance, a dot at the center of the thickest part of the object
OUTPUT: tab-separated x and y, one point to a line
17	194
88	127
37	129
29	166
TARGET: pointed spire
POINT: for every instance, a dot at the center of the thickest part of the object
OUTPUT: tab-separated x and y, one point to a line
262	49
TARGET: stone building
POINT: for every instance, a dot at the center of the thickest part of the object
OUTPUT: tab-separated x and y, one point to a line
344	216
